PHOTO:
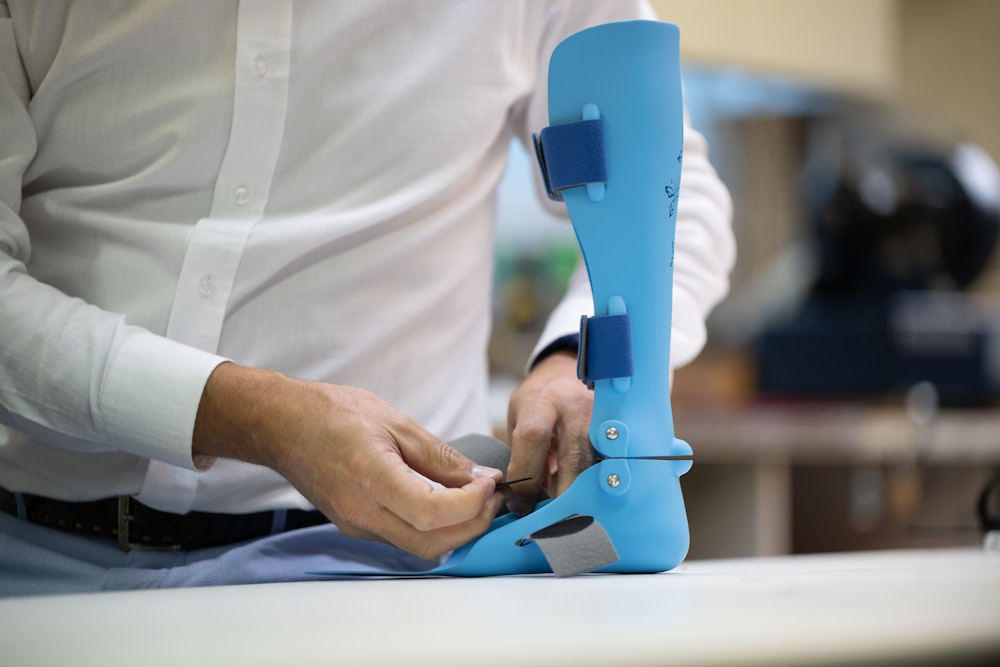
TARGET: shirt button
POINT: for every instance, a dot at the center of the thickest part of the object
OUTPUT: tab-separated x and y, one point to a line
241	196
260	66
205	286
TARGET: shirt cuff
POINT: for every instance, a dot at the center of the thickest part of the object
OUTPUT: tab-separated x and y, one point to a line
567	343
151	396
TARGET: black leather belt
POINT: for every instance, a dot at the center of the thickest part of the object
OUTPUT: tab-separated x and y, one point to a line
136	526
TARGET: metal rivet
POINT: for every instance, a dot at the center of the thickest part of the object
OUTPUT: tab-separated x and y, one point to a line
614	481
611	433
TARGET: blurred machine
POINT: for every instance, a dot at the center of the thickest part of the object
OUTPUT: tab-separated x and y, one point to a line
899	232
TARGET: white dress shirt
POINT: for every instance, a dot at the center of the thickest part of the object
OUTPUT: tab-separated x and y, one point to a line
302	186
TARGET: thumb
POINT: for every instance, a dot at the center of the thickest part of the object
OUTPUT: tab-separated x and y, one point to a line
442	463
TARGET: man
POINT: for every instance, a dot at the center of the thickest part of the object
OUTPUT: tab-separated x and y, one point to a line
245	265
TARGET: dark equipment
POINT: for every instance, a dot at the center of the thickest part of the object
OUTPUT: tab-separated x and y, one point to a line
899	232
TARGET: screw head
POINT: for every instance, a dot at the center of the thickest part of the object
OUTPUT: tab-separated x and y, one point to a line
611	433
614	481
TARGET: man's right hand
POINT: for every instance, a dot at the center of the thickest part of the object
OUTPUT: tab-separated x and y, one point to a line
352	455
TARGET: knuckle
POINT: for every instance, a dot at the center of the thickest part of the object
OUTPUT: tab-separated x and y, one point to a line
423	519
531	432
426	549
448	457
350	530
578	396
354	521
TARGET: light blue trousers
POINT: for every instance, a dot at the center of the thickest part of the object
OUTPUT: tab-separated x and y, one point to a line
35	560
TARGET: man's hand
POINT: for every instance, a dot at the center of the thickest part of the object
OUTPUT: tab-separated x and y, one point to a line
547	422
352	455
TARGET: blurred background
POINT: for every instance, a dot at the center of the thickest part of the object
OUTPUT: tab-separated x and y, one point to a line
848	395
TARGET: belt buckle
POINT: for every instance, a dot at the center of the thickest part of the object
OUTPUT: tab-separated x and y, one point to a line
125	519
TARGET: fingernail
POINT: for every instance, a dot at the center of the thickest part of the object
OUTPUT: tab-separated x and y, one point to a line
484	471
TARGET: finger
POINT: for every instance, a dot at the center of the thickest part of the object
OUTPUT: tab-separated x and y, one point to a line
433	543
440	462
426	507
530	430
574	453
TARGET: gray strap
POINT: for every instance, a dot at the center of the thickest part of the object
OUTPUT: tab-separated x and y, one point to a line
575	545
484	450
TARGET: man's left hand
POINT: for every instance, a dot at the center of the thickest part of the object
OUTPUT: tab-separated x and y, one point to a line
547	423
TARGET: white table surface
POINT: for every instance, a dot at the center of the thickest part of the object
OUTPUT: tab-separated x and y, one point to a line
892	607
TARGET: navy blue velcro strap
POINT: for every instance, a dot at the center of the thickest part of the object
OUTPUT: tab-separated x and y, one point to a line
605	348
571	155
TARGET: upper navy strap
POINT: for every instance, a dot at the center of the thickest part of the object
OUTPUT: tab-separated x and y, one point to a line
571	155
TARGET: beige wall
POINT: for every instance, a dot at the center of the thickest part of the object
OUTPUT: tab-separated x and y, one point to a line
950	78
937	58
936	63
950	57
844	44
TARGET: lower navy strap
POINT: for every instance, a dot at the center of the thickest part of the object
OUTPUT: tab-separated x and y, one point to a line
605	347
